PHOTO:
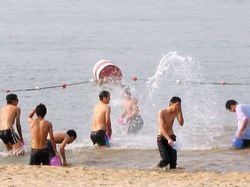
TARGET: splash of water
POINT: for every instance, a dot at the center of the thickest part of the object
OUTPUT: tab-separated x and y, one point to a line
174	76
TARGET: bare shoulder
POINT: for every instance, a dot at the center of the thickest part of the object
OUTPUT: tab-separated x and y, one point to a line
108	107
161	112
46	122
18	109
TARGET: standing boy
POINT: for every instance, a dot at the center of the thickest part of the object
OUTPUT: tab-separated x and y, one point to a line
40	128
101	123
166	136
9	114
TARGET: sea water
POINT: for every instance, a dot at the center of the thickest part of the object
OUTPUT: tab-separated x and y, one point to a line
174	48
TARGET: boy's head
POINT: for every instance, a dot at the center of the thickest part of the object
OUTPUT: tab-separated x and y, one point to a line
11	98
104	96
72	135
231	105
41	110
175	103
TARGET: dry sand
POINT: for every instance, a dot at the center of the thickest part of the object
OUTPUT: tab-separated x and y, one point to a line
24	175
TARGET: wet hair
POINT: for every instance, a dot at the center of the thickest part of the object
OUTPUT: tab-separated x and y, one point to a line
103	94
71	133
229	103
41	110
11	97
175	99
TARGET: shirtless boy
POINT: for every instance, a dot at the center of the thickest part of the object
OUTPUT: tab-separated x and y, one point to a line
166	136
10	114
40	128
101	123
63	139
132	113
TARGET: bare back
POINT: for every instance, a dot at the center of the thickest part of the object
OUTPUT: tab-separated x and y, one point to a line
40	129
59	137
8	115
100	116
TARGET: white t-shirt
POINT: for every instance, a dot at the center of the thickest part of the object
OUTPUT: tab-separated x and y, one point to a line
243	112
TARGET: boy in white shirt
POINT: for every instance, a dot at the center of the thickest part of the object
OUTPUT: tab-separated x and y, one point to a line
243	116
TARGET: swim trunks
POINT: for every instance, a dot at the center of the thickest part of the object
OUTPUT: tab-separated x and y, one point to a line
9	136
167	152
99	137
39	156
135	124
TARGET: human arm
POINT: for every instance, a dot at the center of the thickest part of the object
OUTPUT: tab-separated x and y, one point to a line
163	131
179	116
52	138
124	113
243	126
108	121
62	150
30	116
242	121
18	124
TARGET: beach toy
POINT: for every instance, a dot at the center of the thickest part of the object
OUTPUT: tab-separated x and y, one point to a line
237	143
55	161
105	71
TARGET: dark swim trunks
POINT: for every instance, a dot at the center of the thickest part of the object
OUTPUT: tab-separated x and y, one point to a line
39	156
99	137
9	136
134	125
167	152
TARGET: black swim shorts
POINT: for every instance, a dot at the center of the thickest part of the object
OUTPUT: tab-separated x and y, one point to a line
99	137
9	136
39	156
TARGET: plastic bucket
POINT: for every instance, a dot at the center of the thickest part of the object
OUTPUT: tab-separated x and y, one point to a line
106	71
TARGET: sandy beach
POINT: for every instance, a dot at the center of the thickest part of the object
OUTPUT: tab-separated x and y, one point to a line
135	167
23	175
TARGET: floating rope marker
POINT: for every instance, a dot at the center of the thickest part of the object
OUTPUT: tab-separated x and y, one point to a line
64	86
134	78
222	82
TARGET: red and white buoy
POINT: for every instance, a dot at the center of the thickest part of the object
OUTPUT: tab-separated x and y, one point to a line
105	71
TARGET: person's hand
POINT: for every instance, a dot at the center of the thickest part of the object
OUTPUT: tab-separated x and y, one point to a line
64	163
121	121
170	142
109	133
21	140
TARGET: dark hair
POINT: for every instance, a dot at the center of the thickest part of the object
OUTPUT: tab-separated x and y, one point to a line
72	133
41	110
11	97
175	99
103	94
229	103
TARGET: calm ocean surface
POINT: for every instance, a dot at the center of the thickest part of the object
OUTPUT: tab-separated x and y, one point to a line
47	43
